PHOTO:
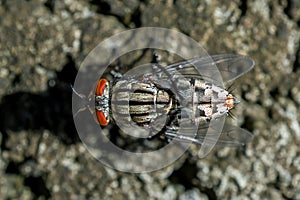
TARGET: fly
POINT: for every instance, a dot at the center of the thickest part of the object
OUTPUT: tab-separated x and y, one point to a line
147	98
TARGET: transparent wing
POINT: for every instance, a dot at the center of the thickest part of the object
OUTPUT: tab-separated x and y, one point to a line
209	68
230	136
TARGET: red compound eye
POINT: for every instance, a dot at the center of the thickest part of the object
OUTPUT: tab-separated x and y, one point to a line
101	90
101	118
101	86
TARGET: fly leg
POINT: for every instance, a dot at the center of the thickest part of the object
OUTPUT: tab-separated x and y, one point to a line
155	58
116	74
182	138
84	98
86	102
173	133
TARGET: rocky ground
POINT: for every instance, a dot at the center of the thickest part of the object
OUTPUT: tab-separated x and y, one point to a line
43	43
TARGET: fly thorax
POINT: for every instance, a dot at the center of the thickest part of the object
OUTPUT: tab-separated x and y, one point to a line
140	103
147	103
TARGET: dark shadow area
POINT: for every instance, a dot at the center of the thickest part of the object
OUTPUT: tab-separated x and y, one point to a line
102	6
50	5
243	7
248	124
51	110
187	176
296	64
184	175
291	9
287	9
36	184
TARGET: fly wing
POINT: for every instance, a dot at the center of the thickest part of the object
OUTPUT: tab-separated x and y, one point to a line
230	136
217	69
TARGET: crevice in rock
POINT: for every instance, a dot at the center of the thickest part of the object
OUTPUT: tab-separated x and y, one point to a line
296	64
287	9
185	175
37	186
50	5
243	7
248	124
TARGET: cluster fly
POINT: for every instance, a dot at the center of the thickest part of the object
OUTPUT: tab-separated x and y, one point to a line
187	91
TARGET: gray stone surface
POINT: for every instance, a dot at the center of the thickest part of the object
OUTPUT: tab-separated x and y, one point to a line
43	42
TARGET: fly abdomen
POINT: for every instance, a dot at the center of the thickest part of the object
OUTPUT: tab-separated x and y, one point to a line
210	101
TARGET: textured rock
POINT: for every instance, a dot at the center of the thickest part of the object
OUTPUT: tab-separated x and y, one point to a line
42	44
